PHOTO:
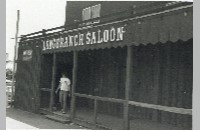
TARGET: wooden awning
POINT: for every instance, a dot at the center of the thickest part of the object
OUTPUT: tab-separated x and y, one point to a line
167	26
158	27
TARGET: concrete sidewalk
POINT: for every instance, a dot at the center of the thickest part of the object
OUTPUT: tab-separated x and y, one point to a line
18	119
14	124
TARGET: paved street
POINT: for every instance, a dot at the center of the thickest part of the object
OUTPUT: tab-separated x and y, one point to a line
18	119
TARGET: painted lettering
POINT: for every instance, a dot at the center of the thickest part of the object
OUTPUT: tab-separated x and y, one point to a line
70	41
105	35
100	40
93	41
88	40
100	36
112	34
81	39
75	40
120	32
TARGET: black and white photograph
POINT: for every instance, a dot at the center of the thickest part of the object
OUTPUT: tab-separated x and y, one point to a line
99	65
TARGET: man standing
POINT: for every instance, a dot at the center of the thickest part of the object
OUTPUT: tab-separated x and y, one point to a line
64	87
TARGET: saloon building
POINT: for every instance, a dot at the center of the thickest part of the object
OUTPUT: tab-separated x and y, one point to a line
130	63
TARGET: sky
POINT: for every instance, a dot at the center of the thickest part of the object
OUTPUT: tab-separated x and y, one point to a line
35	15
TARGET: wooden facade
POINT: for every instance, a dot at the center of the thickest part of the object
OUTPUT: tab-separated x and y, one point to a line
28	76
147	75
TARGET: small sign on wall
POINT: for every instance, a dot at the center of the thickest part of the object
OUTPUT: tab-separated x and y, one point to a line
27	55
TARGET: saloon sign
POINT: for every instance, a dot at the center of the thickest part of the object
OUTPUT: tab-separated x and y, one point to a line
90	37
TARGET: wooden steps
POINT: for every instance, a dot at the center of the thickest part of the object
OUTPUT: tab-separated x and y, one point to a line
65	119
90	125
59	114
58	119
56	116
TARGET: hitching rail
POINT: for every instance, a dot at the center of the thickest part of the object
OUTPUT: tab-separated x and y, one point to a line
162	108
139	104
99	98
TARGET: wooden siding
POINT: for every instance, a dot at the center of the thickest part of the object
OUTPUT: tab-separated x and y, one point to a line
74	8
102	73
162	75
28	78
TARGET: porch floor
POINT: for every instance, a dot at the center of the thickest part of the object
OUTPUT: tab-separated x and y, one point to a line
116	123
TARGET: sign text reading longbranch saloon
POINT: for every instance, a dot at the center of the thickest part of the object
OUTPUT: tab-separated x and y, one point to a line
88	38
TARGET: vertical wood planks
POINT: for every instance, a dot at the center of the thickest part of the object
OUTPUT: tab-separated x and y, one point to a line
180	81
74	80
95	110
166	80
127	87
156	79
53	80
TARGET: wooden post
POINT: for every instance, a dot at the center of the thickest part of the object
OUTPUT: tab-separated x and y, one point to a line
127	87
95	111
15	58
53	81
74	78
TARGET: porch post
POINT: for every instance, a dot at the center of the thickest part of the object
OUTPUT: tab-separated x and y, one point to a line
95	110
74	79
53	81
127	86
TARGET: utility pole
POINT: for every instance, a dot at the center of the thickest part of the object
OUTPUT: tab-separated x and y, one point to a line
15	57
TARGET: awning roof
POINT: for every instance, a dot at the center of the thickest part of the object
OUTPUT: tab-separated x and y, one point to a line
168	25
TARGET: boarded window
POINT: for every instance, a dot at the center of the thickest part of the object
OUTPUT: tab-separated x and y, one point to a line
91	12
86	14
95	11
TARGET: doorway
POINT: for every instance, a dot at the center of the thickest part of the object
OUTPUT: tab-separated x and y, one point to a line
64	65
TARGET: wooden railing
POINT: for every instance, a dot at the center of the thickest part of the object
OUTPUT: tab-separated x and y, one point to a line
139	104
132	103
